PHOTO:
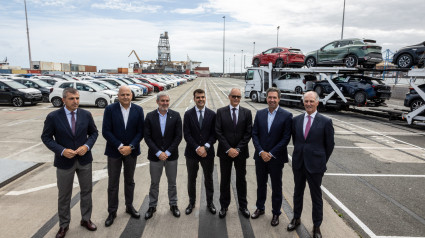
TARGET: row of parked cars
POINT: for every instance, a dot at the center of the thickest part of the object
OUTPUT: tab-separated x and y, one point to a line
99	91
346	52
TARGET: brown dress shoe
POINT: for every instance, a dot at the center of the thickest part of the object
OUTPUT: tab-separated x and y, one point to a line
275	220
89	225
62	232
257	214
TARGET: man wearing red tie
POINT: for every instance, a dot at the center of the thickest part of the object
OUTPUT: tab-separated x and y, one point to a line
313	138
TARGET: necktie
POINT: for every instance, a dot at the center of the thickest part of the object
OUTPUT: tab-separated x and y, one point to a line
307	127
234	117
73	123
201	118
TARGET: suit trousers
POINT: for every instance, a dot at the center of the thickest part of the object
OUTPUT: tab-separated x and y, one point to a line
192	173
155	168
114	172
65	182
314	182
263	169
226	173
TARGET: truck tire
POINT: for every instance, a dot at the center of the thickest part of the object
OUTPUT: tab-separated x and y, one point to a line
254	96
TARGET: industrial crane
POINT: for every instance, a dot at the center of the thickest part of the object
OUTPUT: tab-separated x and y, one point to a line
140	61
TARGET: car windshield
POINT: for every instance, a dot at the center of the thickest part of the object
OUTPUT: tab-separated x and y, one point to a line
14	84
42	83
108	85
126	81
295	51
95	86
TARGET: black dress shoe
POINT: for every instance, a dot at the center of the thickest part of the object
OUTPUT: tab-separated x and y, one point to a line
211	208
293	224
244	212
257	214
175	210
110	220
88	225
275	220
133	212
62	232
189	208
150	212
316	232
222	213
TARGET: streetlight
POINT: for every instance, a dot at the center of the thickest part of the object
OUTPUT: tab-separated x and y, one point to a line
224	36
28	34
277	40
253	51
234	63
241	59
229	65
343	15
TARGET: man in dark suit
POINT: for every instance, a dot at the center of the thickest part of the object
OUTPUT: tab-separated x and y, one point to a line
233	128
70	133
313	139
271	134
123	131
163	134
199	133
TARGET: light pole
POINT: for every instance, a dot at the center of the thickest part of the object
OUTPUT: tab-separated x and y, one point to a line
224	37
28	34
229	65
253	50
241	59
343	16
277	40
234	63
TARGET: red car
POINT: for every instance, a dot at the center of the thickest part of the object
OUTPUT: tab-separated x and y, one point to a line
157	86
280	57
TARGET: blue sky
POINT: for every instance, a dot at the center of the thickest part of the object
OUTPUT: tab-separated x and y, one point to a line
103	32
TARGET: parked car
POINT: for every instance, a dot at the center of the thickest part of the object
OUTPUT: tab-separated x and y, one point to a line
44	87
48	79
15	93
413	99
293	82
357	87
136	91
409	56
157	87
279	57
105	85
347	52
137	81
90	94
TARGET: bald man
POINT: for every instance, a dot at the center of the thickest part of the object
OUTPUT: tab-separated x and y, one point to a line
123	124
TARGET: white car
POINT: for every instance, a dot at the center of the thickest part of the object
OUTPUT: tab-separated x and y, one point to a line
137	91
293	82
90	94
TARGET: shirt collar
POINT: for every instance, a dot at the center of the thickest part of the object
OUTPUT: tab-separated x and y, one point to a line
67	112
160	113
197	109
124	107
231	107
274	112
313	115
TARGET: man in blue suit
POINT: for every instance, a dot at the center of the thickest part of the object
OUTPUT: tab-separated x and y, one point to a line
199	133
123	131
70	133
313	139
271	134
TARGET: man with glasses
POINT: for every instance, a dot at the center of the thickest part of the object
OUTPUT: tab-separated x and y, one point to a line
233	128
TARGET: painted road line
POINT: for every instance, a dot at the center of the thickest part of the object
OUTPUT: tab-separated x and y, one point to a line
377	175
21	151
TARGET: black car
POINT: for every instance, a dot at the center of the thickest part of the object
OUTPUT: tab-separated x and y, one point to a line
12	92
358	87
409	56
413	99
37	84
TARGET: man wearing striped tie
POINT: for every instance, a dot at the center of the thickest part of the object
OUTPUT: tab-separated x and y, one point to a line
313	138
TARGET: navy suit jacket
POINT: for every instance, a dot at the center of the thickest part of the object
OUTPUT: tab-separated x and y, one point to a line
115	132
275	141
57	136
172	134
315	150
196	136
230	137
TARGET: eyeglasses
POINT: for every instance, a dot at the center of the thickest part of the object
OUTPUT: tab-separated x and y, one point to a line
236	96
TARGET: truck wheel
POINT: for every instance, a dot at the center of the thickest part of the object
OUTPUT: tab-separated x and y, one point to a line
254	97
415	104
360	98
57	102
17	102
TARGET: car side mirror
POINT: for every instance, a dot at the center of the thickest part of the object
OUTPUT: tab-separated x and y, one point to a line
91	90
262	52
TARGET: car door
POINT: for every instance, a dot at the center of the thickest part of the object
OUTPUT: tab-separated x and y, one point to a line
293	81
327	53
5	93
281	82
276	54
341	51
265	56
86	96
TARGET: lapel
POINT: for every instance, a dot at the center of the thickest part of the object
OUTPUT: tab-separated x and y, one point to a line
156	126
313	126
167	122
300	125
78	122
120	116
65	120
194	117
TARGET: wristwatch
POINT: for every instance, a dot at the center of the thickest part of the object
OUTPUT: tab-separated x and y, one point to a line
131	146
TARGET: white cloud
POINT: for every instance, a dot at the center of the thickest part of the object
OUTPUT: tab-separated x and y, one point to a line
51	3
127	6
199	10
